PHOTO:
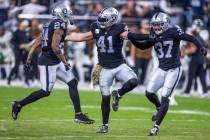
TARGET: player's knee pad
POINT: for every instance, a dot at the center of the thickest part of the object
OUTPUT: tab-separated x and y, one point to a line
105	90
73	83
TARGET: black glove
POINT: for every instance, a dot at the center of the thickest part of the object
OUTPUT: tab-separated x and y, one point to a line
152	34
67	67
27	67
203	51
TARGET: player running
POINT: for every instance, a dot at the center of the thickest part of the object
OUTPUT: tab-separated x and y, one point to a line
166	41
109	35
53	63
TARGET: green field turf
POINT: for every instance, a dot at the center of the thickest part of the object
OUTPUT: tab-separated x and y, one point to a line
52	118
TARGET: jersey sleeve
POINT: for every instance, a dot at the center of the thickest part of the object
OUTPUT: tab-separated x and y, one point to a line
122	28
93	28
177	32
59	25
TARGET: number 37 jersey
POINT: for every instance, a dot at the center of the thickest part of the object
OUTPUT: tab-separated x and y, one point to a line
109	44
167	48
47	56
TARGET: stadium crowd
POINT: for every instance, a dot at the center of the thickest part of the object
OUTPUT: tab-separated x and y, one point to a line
17	35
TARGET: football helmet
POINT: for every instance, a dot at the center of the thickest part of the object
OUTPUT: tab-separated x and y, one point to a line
63	12
108	17
160	22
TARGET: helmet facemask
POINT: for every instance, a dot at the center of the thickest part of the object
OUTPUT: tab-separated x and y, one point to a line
160	22
107	18
64	13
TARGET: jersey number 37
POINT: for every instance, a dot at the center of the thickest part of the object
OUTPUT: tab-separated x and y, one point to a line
159	49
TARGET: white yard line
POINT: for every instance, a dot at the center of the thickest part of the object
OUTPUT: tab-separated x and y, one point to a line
192	112
120	119
130	108
86	136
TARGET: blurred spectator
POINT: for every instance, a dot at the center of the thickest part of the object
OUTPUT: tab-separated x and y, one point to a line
197	60
4	6
74	9
33	8
131	9
34	33
6	54
96	9
20	36
194	9
142	57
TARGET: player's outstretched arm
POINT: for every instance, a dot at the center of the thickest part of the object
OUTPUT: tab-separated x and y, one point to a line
55	45
36	44
190	38
141	41
78	37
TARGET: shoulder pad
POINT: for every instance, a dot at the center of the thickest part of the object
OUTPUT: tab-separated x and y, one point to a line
122	27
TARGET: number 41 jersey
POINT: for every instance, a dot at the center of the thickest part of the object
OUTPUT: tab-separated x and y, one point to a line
47	56
109	44
167	48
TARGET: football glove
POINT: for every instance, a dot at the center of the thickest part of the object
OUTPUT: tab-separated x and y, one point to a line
67	67
96	74
27	67
203	51
152	34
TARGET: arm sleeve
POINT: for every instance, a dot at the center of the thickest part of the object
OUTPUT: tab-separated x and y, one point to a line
122	28
140	41
190	38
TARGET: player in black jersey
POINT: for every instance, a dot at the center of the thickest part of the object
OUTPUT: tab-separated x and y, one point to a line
52	63
166	41
109	34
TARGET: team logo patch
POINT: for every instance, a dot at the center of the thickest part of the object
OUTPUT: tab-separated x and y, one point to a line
97	31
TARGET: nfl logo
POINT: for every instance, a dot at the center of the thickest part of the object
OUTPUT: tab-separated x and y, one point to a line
96	31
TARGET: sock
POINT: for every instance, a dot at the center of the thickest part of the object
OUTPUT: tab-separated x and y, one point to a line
105	108
163	110
74	95
33	97
153	98
128	86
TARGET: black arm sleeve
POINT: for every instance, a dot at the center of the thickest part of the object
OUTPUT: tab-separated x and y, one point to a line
140	41
201	46
190	38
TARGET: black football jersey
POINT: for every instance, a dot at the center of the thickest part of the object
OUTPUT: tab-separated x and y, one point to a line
109	44
47	56
167	48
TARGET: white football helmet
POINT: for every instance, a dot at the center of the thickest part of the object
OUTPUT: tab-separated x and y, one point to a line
108	17
63	12
160	22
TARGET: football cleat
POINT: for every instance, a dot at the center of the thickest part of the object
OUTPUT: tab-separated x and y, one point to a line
154	117
15	110
116	99
83	118
103	129
154	130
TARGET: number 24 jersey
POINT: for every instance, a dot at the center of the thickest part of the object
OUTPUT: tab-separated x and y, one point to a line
47	56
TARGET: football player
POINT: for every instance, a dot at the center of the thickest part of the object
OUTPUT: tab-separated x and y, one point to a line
109	34
165	38
52	63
